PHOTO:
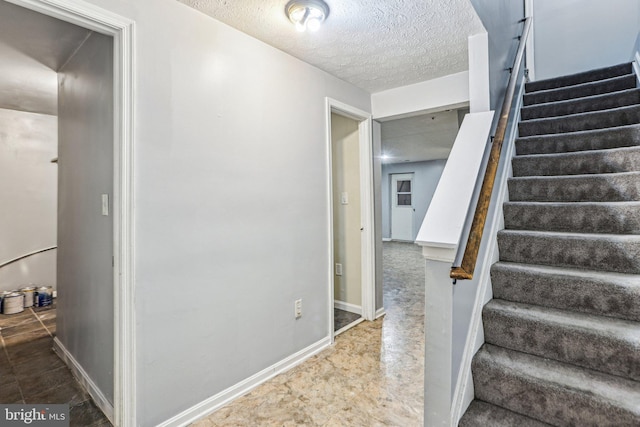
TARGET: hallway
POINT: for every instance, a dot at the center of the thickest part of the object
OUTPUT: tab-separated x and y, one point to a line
372	376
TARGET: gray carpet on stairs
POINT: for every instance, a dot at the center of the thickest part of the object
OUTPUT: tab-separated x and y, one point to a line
562	336
600	139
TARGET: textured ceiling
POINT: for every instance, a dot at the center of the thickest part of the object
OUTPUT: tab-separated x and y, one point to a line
420	138
373	44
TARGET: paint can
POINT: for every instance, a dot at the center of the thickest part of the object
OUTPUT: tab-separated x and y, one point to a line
29	293
13	303
44	296
2	295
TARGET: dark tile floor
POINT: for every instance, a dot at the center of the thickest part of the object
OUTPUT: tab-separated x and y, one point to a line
31	372
342	318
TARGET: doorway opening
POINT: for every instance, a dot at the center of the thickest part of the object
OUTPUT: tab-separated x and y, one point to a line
351	225
87	74
413	153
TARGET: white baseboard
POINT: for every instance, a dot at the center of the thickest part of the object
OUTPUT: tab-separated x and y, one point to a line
386	239
349	326
83	378
351	308
215	402
380	312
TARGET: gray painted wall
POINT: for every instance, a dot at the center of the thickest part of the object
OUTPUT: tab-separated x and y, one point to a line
28	194
501	20
231	204
425	181
579	35
85	236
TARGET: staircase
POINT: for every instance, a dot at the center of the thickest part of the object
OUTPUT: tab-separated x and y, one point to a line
562	334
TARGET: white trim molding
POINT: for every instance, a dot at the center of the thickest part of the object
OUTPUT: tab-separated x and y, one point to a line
215	402
351	308
380	312
349	326
530	51
479	86
368	262
83	378
636	65
122	30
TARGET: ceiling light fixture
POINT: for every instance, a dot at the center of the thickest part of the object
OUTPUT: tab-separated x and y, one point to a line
307	14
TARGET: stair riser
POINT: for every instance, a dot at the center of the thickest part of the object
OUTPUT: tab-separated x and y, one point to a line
580	141
600	161
580	188
590	218
583	105
562	342
615	355
580	78
482	414
580	122
608	295
619	255
543	400
589	89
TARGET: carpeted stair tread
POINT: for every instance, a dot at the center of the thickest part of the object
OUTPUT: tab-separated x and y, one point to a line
615	117
609	294
483	414
612	187
587	217
623	136
582	105
580	78
613	160
603	344
558	393
605	252
600	87
562	334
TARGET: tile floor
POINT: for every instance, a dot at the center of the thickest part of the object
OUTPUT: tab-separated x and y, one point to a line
30	371
342	318
372	376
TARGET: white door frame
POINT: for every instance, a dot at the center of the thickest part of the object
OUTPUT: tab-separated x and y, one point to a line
123	32
368	261
530	52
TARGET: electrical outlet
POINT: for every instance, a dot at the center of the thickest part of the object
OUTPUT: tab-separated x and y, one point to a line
298	308
338	269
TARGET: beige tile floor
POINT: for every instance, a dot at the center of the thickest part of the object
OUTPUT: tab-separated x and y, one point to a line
372	376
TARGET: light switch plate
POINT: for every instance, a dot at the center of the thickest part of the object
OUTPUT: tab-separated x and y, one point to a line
105	205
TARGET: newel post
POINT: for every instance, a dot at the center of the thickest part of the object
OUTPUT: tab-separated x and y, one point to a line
438	335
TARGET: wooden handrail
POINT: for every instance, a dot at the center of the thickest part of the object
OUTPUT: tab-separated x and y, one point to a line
465	262
39	251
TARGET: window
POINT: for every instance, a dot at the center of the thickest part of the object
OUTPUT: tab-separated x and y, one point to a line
404	193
